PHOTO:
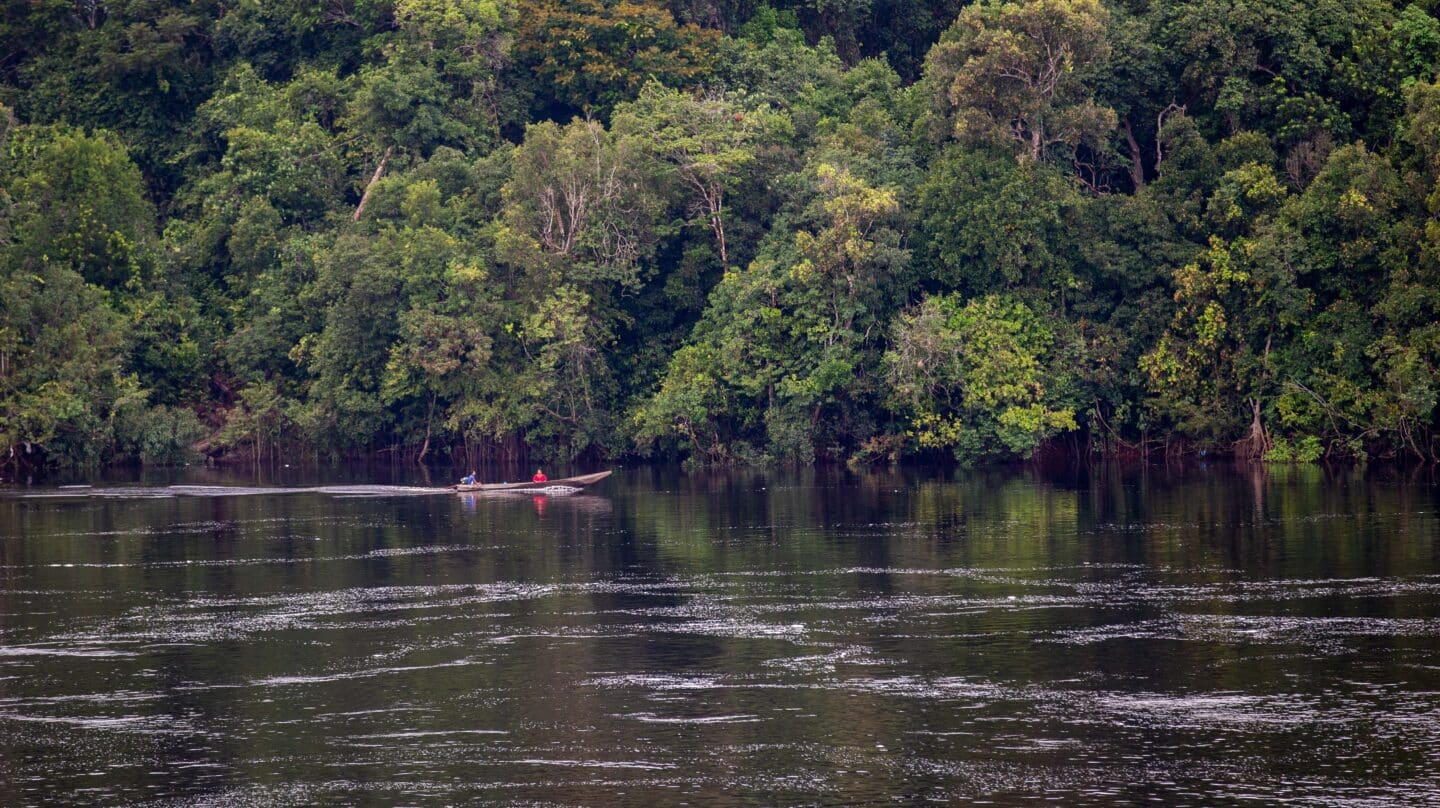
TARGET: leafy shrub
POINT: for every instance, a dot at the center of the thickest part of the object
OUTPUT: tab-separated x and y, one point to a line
1306	450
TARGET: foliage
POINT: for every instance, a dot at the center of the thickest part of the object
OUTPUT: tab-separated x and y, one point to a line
727	230
972	377
1017	73
1306	450
579	204
592	54
992	223
79	202
706	142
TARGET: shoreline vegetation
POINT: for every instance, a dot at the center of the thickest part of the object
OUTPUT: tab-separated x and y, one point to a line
718	231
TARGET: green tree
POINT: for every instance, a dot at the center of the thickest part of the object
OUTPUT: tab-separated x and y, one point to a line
259	420
706	141
689	404
989	223
972	378
363	285
78	201
76	257
61	351
444	345
592	54
793	332
579	206
1019	73
1213	370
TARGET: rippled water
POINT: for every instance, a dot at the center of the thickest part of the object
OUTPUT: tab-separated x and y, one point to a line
1182	638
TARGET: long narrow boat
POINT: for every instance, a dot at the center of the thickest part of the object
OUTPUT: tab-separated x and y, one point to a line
567	482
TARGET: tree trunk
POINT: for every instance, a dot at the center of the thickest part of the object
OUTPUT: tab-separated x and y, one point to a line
1159	127
720	236
379	172
1256	443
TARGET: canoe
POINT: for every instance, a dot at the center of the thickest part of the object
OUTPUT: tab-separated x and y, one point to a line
566	482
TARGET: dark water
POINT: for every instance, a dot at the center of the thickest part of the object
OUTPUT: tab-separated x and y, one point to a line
1177	638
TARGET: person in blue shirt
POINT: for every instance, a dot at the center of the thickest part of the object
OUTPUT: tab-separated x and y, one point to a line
469	480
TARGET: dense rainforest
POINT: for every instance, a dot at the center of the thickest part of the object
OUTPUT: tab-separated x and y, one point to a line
722	230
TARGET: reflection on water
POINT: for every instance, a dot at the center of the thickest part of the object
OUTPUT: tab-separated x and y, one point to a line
1184	638
167	491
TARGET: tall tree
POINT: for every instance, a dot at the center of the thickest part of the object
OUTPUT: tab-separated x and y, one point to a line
707	141
1019	73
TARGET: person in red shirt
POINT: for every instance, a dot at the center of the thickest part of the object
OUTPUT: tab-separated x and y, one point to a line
539	477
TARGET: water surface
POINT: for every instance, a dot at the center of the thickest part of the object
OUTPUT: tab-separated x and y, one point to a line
1178	637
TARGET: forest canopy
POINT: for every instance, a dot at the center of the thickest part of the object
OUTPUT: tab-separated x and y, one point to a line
720	230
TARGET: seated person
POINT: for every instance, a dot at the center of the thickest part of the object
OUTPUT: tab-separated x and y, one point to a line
539	477
469	480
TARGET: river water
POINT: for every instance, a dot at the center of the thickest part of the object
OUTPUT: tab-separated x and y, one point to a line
1176	637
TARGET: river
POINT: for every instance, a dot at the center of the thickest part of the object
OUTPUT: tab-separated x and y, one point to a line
1170	636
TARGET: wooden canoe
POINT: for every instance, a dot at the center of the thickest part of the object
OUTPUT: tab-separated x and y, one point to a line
567	482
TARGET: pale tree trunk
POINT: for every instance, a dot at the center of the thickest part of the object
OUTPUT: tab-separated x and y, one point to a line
379	172
717	210
719	227
1159	127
